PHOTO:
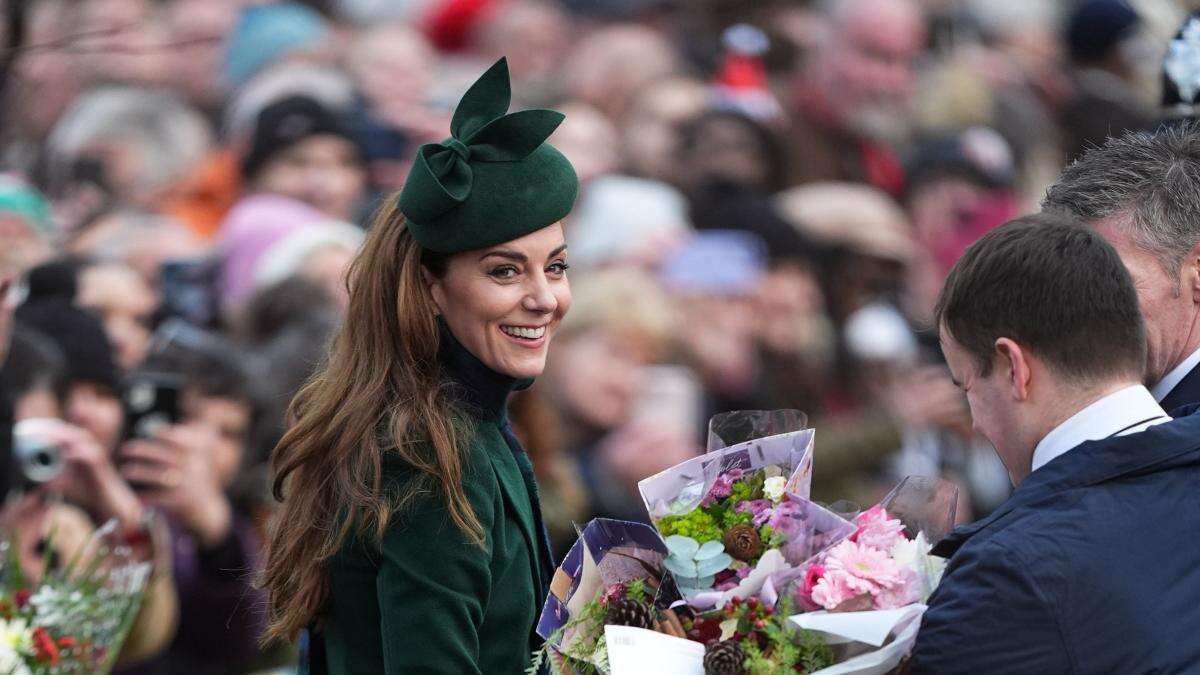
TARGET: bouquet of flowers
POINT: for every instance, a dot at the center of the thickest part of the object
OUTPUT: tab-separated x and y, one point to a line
737	516
75	619
867	592
611	576
743	573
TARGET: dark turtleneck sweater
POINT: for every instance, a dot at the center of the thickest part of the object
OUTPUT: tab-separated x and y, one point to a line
427	599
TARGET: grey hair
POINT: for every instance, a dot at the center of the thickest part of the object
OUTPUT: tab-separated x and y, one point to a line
169	136
1151	178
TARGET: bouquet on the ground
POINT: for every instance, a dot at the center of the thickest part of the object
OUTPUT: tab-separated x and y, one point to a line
74	619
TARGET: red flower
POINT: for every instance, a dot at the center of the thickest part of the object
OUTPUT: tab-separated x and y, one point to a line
21	597
44	646
811	577
66	642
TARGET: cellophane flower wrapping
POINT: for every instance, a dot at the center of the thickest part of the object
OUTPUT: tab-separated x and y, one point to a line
749	492
75	619
606	554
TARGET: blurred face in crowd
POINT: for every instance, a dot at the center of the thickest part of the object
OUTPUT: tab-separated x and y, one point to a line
327	267
993	406
394	66
505	303
866	72
39	402
721	335
227	423
652	130
124	41
24	248
46	80
588	140
200	26
1170	304
726	150
595	374
125	303
323	170
97	409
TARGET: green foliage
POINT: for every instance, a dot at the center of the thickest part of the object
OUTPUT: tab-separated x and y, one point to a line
771	538
590	621
730	518
699	525
772	644
636	590
748	488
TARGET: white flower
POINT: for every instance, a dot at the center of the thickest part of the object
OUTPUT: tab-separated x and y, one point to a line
15	639
914	554
773	488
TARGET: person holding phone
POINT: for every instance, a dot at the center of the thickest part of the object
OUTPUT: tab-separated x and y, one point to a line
410	536
189	414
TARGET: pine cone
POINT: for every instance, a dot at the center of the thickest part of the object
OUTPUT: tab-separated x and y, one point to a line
742	542
724	658
628	612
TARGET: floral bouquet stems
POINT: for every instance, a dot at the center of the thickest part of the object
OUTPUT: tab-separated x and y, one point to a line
75	619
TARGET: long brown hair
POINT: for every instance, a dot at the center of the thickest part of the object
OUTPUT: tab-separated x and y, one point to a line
380	390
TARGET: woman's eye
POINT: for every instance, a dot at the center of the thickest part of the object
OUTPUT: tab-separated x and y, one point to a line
559	268
504	272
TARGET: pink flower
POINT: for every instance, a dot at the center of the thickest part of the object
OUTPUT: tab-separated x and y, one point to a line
781	516
836	587
906	592
723	486
811	576
872	566
876	530
760	508
613	592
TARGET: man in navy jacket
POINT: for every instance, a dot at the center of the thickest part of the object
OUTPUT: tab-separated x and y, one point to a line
1141	192
1093	564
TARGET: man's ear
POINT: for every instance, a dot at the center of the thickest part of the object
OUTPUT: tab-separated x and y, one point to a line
1016	367
435	288
1191	274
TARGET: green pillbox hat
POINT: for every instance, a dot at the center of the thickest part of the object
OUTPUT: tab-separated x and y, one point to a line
494	180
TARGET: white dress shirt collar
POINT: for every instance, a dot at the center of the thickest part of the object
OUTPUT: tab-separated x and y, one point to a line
1121	413
1173	378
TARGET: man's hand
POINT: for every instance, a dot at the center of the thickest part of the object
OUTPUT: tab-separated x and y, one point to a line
174	471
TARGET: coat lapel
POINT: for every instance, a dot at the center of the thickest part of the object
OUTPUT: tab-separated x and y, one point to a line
516	496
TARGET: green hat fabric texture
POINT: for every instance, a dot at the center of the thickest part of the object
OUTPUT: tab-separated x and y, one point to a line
494	180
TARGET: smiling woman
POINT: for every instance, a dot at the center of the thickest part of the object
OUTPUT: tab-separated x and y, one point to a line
505	303
410	538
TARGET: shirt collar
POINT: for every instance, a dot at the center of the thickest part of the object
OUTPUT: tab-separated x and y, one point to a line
1173	378
1123	412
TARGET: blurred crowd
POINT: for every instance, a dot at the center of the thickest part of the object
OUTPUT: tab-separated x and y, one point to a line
771	195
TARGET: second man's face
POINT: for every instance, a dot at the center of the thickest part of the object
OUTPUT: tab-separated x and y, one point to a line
1167	301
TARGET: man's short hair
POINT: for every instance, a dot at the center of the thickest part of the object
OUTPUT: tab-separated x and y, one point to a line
1051	285
1152	178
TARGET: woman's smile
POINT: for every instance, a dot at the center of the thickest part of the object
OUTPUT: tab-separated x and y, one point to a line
530	337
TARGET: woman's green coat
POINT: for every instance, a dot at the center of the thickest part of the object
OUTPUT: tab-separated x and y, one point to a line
428	600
